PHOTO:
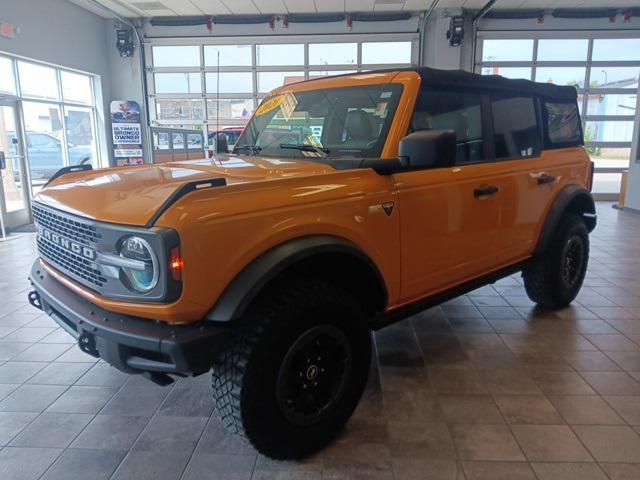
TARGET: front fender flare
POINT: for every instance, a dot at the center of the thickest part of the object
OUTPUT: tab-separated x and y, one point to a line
249	282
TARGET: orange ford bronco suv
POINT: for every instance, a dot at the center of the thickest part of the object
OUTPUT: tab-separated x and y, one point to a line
348	203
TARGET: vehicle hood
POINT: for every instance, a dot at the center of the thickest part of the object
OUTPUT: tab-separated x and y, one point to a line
132	195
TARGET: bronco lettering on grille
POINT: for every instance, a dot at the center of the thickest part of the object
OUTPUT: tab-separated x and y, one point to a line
66	243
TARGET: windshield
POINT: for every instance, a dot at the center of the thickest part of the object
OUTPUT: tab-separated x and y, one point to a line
337	123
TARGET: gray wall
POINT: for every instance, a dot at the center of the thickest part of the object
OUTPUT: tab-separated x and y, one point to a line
437	52
61	33
126	79
56	31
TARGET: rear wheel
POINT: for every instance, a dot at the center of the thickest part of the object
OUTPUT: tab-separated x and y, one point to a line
554	278
292	377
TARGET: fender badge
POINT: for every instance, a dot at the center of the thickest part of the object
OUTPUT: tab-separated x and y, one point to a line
388	208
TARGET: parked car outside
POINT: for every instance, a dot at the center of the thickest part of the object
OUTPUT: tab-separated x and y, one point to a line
45	156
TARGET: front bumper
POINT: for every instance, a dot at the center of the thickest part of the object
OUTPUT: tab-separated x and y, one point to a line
131	344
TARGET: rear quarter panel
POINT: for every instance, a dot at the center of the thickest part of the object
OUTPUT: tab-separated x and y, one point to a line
532	202
526	203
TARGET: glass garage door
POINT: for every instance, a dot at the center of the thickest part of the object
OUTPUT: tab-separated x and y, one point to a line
217	86
605	71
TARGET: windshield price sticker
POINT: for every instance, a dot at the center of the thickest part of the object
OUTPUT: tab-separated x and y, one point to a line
287	103
269	104
381	110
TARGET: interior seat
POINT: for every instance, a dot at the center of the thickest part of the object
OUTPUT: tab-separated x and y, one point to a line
358	129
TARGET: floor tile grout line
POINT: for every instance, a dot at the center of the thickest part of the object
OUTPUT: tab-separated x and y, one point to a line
39	414
64	449
495	404
584	445
68	447
515	439
144	429
195	445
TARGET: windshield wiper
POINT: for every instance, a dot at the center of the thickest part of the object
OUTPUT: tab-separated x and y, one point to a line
252	149
306	147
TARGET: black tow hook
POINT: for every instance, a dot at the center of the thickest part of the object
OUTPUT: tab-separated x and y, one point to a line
34	299
87	343
158	378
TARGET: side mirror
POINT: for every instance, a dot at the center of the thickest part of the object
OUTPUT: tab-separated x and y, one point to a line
428	149
222	143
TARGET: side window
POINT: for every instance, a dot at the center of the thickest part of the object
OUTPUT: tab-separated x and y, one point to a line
194	141
562	124
161	140
457	111
178	141
515	127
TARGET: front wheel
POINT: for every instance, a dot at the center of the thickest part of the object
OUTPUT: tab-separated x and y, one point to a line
292	376
554	278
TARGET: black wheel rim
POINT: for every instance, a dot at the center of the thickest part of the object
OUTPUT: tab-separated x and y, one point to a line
313	375
572	261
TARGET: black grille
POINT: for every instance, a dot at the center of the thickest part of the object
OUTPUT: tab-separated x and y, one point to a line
74	230
76	266
69	262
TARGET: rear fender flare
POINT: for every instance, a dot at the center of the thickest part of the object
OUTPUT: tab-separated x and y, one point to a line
572	198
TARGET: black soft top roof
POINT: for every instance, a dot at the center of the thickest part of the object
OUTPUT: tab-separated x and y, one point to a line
463	80
460	79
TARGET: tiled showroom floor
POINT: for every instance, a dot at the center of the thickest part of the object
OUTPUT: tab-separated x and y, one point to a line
484	387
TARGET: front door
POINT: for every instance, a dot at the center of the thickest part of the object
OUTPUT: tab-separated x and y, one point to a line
450	217
449	221
14	200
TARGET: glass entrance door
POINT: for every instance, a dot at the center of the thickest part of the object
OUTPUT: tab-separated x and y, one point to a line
13	192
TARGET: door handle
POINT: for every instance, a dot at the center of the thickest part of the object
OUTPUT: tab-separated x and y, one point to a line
485	191
545	179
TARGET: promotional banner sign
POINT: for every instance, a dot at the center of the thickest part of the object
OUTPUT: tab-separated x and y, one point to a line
127	136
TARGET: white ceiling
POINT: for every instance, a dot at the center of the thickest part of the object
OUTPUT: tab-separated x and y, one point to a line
156	8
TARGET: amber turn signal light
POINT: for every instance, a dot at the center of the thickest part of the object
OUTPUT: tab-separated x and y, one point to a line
176	264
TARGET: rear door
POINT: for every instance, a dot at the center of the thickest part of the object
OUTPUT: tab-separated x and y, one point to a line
517	146
449	217
534	175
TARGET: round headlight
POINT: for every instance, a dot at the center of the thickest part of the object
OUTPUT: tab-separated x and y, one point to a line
143	274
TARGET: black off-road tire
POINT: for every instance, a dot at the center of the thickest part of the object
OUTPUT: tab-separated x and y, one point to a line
247	376
545	278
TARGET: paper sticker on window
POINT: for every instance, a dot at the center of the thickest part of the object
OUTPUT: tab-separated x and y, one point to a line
312	140
287	103
381	110
386	94
269	104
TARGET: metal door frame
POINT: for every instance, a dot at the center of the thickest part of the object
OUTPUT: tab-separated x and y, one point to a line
21	217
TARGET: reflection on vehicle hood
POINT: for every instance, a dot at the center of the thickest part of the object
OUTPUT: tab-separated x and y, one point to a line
131	195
